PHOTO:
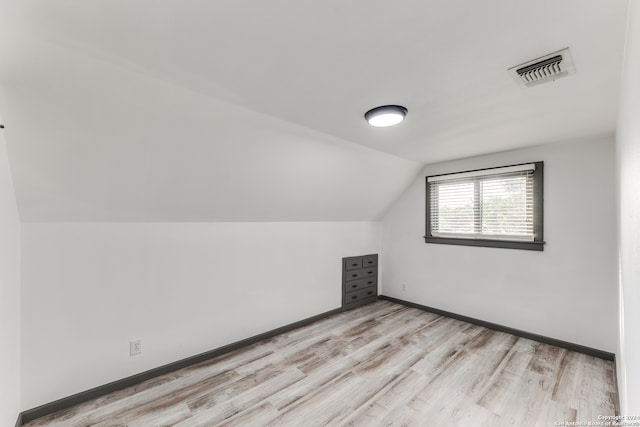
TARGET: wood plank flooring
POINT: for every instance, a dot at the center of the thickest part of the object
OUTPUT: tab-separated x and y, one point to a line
382	364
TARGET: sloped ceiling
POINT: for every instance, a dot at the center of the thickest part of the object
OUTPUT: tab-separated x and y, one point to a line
252	110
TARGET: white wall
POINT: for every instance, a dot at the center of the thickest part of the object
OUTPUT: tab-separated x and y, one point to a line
9	295
568	291
628	160
87	289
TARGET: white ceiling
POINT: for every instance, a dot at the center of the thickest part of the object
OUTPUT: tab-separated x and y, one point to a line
252	110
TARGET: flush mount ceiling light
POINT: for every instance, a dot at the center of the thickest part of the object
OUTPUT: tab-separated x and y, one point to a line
386	115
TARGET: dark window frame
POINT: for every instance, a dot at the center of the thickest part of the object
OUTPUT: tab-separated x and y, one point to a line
538	216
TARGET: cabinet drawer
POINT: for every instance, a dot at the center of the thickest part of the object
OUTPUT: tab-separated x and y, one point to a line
369	261
360	295
361	273
354	285
352	263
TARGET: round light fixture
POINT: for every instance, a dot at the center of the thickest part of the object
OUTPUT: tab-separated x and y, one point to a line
386	115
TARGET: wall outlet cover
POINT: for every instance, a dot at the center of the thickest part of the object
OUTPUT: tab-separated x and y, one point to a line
135	347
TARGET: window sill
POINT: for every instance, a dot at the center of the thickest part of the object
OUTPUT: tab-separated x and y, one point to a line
506	244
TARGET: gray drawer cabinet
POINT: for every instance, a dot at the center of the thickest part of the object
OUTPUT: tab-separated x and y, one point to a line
359	280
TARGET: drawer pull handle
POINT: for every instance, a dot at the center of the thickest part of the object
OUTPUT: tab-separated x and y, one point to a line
354	265
354	275
354	286
368	283
354	297
369	262
370	292
369	272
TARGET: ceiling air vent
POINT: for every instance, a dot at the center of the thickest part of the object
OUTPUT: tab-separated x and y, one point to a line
544	69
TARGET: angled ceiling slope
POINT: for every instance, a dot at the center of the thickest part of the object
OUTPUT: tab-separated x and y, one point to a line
93	137
227	110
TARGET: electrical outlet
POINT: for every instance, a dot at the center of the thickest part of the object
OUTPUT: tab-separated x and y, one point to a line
135	347
404	287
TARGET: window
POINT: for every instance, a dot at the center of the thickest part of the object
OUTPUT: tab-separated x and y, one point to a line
498	207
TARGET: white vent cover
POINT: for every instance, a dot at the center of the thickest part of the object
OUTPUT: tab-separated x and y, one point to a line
544	69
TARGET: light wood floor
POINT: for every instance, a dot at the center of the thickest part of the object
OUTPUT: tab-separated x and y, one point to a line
382	364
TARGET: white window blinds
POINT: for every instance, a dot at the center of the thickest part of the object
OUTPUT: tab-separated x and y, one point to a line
495	204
